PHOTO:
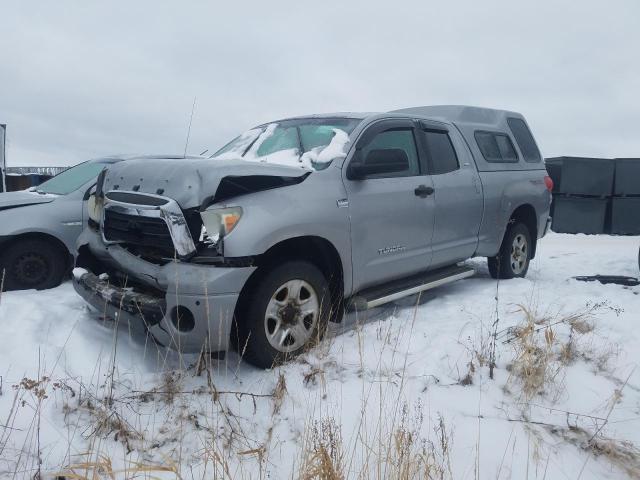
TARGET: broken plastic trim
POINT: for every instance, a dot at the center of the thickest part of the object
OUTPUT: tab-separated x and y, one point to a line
220	261
149	308
235	186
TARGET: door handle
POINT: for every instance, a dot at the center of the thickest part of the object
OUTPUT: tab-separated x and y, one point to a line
423	191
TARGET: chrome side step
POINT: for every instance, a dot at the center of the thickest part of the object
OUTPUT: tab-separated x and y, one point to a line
410	286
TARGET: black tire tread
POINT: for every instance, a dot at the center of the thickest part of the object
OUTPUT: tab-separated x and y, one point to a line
52	253
253	344
500	265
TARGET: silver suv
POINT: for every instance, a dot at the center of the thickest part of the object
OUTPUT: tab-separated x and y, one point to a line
39	227
297	220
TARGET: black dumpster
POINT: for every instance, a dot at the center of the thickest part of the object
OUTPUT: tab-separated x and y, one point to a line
627	180
579	215
625	216
587	176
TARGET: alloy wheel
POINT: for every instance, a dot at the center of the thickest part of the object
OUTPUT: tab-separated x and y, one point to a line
519	253
291	316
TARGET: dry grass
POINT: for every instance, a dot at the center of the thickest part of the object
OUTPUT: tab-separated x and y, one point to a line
414	457
544	346
409	456
279	393
535	366
100	468
322	455
622	454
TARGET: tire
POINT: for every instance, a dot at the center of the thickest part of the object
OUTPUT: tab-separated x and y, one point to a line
514	256
32	264
274	324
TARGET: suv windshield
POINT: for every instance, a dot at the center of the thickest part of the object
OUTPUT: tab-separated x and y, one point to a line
305	142
71	179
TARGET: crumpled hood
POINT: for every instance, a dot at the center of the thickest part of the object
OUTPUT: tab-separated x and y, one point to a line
191	182
22	198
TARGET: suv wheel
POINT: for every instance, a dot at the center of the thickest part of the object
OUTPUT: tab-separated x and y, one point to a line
286	313
32	264
513	258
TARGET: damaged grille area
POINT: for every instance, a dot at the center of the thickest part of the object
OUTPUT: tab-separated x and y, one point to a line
137	230
154	228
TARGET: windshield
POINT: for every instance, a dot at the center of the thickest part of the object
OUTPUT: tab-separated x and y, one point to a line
306	142
71	179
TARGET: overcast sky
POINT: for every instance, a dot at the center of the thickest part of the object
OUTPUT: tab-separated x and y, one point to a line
84	79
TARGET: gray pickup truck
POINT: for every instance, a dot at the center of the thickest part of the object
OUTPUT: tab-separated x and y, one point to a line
298	220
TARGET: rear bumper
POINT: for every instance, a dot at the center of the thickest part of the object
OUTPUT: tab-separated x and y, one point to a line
208	293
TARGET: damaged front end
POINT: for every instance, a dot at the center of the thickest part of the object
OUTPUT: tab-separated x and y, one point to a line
146	257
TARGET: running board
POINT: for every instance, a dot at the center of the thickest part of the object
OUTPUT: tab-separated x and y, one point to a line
376	296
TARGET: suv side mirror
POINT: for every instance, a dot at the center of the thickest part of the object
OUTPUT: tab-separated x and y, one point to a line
90	191
389	160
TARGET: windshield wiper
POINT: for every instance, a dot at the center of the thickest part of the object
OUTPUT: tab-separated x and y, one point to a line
300	144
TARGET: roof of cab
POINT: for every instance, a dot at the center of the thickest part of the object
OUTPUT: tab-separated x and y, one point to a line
353	115
460	114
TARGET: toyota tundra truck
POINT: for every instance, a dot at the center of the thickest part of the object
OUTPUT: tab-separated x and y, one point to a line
296	221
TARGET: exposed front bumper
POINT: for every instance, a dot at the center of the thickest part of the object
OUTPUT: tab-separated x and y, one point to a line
209	293
140	311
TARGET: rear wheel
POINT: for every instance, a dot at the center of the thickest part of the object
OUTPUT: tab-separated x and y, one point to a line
32	264
285	313
514	256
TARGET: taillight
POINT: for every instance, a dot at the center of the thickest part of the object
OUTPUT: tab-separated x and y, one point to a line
548	182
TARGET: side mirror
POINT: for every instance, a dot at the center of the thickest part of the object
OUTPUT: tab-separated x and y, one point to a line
90	191
389	160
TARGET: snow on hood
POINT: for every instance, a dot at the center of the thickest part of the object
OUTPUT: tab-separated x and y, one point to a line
315	159
23	198
188	181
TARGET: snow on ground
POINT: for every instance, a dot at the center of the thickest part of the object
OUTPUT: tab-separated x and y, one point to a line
406	383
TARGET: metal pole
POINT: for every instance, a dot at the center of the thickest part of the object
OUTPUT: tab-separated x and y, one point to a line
3	156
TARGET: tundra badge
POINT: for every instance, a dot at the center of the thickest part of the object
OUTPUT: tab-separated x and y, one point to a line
393	249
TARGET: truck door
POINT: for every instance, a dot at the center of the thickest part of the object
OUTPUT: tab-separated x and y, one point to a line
392	212
457	193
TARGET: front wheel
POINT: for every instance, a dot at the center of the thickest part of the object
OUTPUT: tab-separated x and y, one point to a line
514	256
285	312
32	263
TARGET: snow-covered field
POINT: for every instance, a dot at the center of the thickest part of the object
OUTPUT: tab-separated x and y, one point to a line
400	392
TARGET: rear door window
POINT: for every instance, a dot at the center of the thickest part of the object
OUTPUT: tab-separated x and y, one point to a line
441	152
496	147
525	140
